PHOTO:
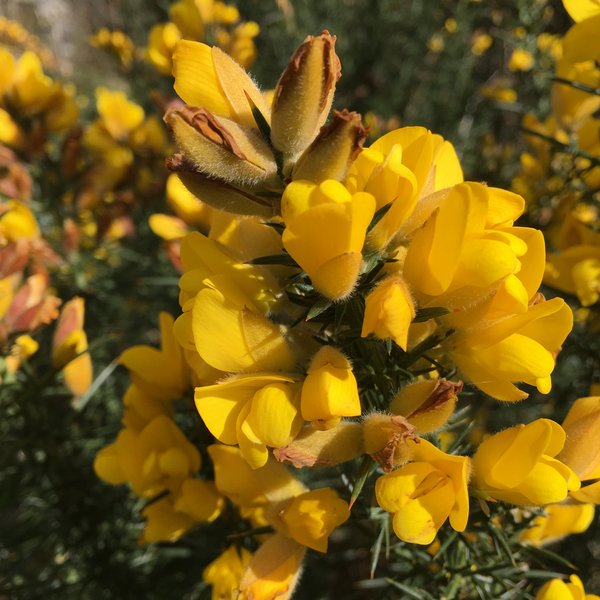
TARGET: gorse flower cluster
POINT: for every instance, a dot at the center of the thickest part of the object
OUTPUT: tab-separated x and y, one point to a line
336	294
348	380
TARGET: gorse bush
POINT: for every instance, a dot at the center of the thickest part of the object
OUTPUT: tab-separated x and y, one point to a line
375	368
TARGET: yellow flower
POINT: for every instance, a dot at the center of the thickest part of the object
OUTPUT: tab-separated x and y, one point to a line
225	572
118	115
389	311
231	334
330	390
579	10
581	49
17	222
332	261
273	571
466	244
69	348
518	466
161	374
556	589
559	521
161	41
157	458
163	522
311	517
254	411
269	486
520	60
403	167
582	447
424	493
169	518
520	347
576	270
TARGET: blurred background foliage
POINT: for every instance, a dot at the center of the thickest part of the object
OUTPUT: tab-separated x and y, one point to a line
63	533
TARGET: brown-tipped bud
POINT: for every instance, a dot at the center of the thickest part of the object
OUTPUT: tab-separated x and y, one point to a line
304	94
218	194
427	404
323	448
385	437
221	148
334	149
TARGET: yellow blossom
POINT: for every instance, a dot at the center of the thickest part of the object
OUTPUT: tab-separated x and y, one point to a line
518	465
161	374
333	261
225	572
273	571
520	347
330	390
424	493
69	348
158	457
311	517
559	521
402	168
254	411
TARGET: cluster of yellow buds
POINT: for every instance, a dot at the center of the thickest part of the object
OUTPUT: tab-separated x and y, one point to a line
32	104
201	20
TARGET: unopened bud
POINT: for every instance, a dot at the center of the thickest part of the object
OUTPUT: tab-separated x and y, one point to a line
304	94
427	404
221	148
389	311
334	149
217	194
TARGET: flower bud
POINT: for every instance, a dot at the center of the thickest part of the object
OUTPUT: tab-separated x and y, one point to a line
304	94
330	390
221	148
427	404
323	448
334	149
385	437
220	195
389	311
